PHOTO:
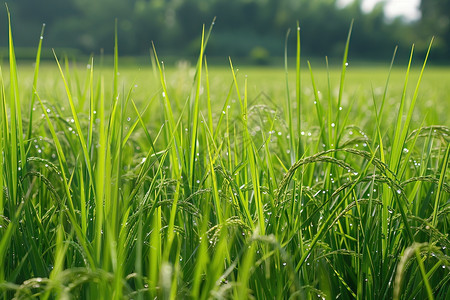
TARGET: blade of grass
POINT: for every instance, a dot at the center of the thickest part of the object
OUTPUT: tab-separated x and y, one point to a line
292	146
79	131
35	79
3	141
195	113
15	119
341	87
411	110
299	95
439	192
318	105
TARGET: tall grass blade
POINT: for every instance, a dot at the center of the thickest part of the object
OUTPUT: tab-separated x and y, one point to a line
341	86
292	146
439	192
78	129
298	87
35	79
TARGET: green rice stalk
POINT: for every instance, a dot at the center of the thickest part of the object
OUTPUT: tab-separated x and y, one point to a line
3	141
16	137
215	189
195	112
291	129
440	187
68	196
411	108
319	234
298	86
341	85
318	105
245	272
35	79
77	123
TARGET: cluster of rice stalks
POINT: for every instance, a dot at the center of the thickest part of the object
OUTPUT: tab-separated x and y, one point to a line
208	195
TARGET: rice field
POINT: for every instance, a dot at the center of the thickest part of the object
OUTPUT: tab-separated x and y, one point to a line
200	182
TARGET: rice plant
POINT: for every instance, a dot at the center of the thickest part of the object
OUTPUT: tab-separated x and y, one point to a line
206	188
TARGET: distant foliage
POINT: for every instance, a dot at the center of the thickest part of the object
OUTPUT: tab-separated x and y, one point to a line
174	26
436	19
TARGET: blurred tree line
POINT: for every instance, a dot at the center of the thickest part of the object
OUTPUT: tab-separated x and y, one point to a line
243	27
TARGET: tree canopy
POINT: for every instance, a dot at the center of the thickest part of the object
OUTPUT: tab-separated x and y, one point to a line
241	26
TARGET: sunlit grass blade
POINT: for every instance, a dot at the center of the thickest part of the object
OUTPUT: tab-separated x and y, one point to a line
17	150
298	87
439	192
318	105
216	197
341	87
292	146
78	129
406	125
379	114
4	133
395	155
195	112
35	79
